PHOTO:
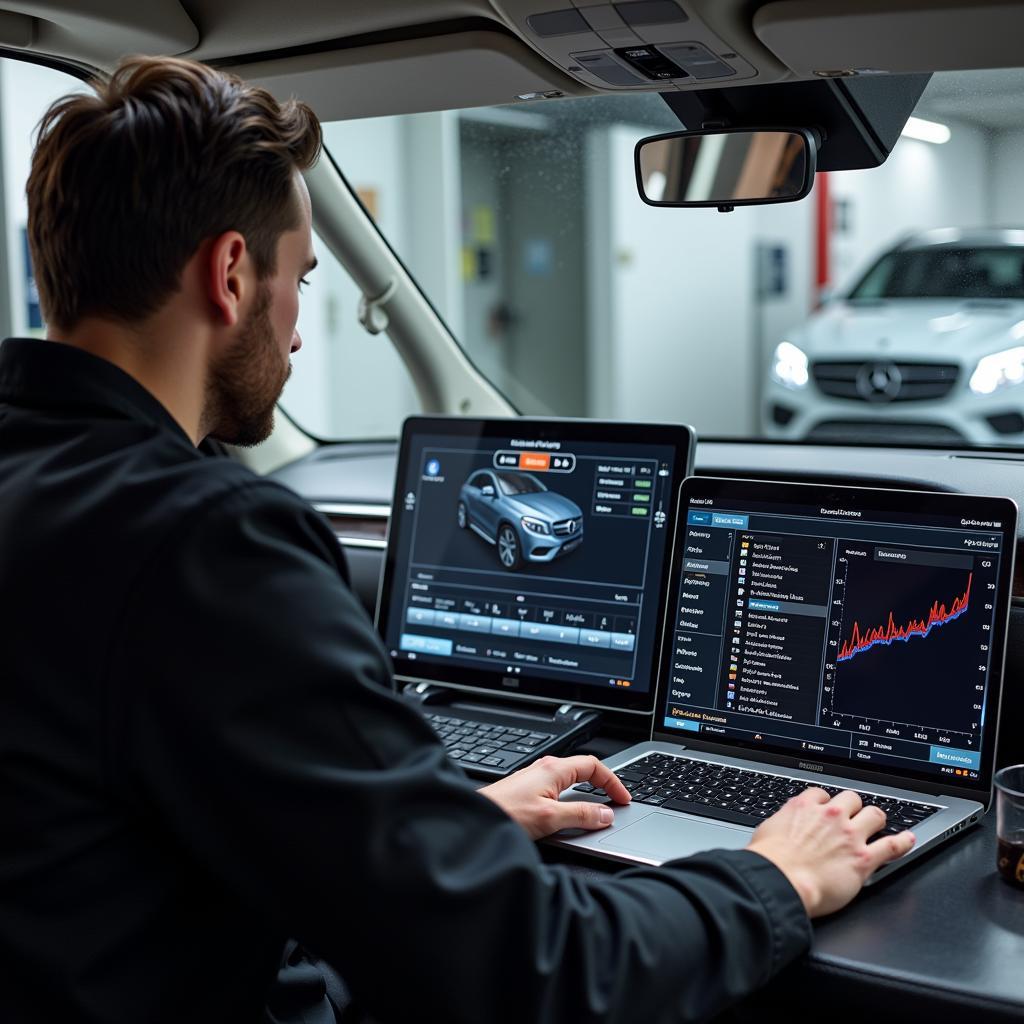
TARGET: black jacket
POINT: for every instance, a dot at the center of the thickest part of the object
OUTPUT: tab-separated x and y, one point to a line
200	754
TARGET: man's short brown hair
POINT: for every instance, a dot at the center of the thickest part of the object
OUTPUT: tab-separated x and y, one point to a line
127	183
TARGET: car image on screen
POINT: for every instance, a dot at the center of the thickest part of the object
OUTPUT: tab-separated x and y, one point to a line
518	515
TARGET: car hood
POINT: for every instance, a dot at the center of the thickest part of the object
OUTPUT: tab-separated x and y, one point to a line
945	330
545	503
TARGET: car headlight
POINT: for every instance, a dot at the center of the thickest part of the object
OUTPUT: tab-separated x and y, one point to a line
998	371
535	525
789	366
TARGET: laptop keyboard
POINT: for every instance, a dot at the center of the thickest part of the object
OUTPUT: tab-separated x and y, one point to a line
736	795
493	746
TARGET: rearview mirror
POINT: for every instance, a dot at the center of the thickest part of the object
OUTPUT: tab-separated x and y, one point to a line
487	491
726	167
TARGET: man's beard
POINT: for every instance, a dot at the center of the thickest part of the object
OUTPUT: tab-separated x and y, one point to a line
246	381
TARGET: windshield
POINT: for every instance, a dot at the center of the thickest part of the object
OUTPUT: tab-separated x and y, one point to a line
523	226
519	483
946	273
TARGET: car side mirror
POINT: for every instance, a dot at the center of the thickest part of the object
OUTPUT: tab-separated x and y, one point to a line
726	167
487	491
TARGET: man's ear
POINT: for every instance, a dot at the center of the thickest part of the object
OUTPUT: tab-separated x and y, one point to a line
226	262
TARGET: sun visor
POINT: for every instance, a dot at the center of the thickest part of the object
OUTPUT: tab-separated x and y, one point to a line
865	37
96	32
477	68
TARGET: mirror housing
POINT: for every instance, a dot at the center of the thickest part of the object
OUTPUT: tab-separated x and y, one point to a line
487	491
726	167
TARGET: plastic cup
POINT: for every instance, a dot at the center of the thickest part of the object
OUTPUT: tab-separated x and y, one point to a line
1009	784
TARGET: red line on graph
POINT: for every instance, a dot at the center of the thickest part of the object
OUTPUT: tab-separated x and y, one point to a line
938	615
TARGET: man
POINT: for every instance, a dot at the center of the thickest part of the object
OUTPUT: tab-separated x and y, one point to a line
200	752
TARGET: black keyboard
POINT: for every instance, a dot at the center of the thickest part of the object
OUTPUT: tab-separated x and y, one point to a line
492	746
735	795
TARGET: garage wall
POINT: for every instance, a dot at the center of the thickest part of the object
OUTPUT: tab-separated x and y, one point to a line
1007	180
791	227
345	382
920	186
26	90
670	302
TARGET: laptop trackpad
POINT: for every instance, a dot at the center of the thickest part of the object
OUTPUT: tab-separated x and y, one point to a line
667	836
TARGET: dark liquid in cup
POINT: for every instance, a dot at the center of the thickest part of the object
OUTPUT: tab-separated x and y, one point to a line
1010	861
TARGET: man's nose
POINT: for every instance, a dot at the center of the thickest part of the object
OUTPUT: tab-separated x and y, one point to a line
296	342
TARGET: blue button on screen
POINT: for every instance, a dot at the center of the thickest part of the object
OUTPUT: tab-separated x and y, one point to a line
426	644
956	758
682	723
728	519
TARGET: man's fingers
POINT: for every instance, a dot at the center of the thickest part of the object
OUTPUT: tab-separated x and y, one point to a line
849	801
580	814
819	796
585	768
888	848
870	820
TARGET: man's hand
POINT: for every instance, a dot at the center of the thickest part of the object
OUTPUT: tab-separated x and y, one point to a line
530	795
821	846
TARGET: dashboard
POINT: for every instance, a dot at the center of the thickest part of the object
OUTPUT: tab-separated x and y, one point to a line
352	485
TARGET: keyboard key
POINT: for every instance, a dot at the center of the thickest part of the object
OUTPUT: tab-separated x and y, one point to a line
472	758
508	758
717	813
584	787
457	753
493	761
519	748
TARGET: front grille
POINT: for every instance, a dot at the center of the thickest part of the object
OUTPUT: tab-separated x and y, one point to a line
1006	423
881	381
886	432
565	526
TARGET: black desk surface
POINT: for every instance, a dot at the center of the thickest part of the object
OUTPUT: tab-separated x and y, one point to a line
943	937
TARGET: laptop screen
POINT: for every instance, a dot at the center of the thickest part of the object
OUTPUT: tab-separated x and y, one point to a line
840	626
530	557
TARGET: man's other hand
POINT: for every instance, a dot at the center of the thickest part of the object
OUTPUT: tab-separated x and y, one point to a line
530	795
821	846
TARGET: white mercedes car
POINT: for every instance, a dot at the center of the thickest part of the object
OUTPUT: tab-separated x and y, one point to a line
927	347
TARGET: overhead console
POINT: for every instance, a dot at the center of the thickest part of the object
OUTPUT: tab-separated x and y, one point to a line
632	44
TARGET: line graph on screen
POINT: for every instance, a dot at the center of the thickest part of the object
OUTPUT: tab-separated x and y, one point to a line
863	640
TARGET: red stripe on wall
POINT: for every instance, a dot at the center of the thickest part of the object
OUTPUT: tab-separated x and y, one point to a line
824	231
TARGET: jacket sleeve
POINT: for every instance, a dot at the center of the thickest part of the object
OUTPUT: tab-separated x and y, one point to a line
265	735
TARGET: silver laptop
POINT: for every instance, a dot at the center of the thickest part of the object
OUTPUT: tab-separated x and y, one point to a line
849	638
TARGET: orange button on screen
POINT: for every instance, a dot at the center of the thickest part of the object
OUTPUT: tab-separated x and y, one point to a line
534	460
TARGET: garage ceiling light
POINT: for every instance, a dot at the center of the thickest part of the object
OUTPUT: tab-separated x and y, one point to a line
926	131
